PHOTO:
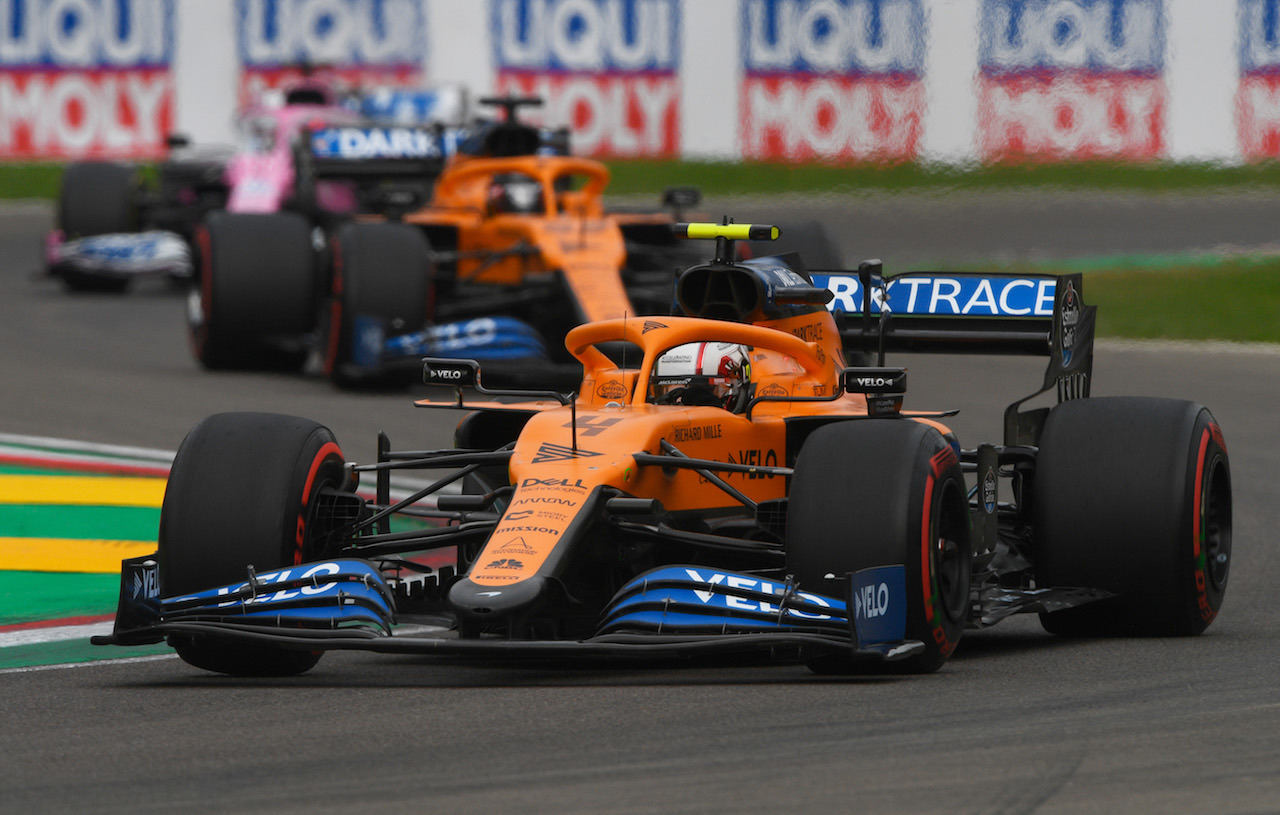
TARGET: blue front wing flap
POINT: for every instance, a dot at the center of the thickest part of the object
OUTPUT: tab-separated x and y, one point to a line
482	339
688	599
345	603
347	594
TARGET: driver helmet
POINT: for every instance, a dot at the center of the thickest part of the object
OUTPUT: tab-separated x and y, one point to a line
516	193
702	373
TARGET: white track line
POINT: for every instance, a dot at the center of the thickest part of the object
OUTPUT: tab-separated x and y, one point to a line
57	633
92	663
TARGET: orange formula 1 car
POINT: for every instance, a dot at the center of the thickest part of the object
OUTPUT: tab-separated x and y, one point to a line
729	485
512	250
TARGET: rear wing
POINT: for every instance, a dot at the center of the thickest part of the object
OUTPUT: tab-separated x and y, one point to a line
392	167
972	313
353	151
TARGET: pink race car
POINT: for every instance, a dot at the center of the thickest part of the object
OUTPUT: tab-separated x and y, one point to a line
116	222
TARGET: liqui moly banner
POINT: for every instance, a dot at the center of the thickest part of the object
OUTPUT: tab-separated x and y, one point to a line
362	43
832	79
1258	96
604	68
1071	79
85	78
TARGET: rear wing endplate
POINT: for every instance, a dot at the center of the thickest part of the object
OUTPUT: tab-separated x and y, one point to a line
972	313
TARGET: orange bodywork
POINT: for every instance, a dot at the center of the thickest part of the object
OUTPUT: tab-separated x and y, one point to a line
566	232
566	452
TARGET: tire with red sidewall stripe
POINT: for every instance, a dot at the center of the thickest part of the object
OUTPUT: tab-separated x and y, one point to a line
879	492
1133	496
242	492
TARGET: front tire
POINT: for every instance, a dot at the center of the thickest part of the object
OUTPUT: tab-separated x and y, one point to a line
381	271
1133	496
881	492
242	492
96	198
254	306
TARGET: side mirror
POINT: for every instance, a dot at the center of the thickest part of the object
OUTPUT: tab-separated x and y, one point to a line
874	380
883	387
455	373
458	373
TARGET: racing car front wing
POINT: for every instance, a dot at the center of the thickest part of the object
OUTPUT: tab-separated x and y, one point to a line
673	611
121	255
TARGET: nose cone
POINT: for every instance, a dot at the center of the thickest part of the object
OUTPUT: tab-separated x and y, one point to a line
491	604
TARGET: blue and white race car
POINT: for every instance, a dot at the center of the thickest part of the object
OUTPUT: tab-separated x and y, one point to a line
118	221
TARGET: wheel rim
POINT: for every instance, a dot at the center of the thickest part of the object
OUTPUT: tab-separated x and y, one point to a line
1217	525
951	560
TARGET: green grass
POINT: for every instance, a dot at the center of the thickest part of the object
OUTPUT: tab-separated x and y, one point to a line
645	176
731	178
1180	297
30	181
1206	298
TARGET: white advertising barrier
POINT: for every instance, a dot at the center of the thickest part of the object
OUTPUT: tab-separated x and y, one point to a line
775	80
85	78
837	81
360	42
607	69
1258	97
1071	79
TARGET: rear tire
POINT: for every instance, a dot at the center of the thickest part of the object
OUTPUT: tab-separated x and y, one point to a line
242	493
254	305
879	492
1133	496
381	271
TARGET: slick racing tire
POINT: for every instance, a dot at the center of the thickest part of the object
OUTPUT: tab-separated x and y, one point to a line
96	198
880	492
381	279
254	303
242	492
1133	496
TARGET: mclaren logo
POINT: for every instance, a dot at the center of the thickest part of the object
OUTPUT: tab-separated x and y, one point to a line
650	325
558	452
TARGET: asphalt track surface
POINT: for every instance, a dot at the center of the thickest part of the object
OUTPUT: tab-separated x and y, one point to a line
1016	722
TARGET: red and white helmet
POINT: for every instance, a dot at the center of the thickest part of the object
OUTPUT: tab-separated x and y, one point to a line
515	193
702	373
